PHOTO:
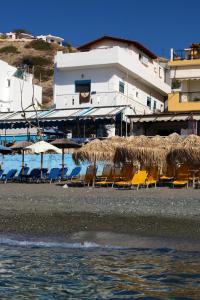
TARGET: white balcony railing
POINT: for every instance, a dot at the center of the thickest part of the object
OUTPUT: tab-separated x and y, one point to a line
100	99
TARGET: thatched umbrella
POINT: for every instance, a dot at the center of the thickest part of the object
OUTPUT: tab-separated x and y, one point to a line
186	152
20	148
146	156
98	150
64	144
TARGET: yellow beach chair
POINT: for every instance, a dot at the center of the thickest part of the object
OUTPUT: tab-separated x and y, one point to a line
137	180
182	177
109	181
152	177
169	174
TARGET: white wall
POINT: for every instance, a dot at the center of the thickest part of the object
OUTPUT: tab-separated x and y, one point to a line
152	73
10	91
23	91
105	84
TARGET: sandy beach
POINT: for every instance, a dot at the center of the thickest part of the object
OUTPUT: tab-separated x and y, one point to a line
49	209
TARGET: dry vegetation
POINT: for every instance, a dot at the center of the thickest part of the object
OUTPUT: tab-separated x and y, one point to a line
41	61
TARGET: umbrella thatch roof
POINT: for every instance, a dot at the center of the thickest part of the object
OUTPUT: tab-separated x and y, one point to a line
98	150
65	144
146	156
20	145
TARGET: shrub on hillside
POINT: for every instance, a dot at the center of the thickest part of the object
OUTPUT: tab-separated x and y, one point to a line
43	74
36	61
9	49
39	45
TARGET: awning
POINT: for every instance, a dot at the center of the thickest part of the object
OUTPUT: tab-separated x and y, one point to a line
147	119
103	112
179	118
163	118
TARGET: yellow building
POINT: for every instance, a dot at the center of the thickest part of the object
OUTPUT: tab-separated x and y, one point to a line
185	75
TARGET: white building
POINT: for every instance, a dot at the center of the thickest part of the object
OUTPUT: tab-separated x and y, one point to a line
111	72
17	90
51	39
15	37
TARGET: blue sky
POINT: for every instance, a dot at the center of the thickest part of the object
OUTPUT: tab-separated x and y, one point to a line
159	25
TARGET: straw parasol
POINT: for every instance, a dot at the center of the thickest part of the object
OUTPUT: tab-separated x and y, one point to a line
64	144
146	156
94	150
41	148
188	151
20	148
98	150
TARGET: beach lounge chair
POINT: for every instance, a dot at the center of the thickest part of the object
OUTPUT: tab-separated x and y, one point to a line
20	177
9	176
137	180
106	173
63	175
115	175
182	177
74	173
35	174
168	176
1	173
152	177
53	175
86	179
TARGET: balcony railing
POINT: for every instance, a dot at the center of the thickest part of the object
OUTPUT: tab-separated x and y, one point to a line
186	54
189	97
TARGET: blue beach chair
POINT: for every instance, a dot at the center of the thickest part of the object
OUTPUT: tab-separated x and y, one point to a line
63	176
9	176
35	175
74	173
20	177
53	175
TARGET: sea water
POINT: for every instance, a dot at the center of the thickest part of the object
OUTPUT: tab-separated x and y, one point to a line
36	269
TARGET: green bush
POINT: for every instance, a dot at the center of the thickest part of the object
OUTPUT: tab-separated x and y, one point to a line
43	74
39	45
9	49
36	61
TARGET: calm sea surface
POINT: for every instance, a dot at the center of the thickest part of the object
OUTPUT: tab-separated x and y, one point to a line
37	270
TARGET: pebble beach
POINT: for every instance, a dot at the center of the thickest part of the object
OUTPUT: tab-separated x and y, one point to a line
50	209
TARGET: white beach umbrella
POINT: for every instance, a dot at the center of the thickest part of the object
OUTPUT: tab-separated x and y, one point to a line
41	148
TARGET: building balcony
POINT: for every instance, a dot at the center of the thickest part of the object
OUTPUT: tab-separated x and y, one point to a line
114	56
64	101
184	101
190	56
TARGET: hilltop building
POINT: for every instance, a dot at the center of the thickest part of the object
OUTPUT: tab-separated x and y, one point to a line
16	89
51	39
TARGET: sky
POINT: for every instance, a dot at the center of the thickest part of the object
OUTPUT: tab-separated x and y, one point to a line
158	25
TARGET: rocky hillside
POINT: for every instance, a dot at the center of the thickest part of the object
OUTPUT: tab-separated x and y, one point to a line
38	56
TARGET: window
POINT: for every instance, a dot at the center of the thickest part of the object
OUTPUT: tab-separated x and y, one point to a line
83	87
137	94
73	101
149	102
143	59
154	104
160	71
121	87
